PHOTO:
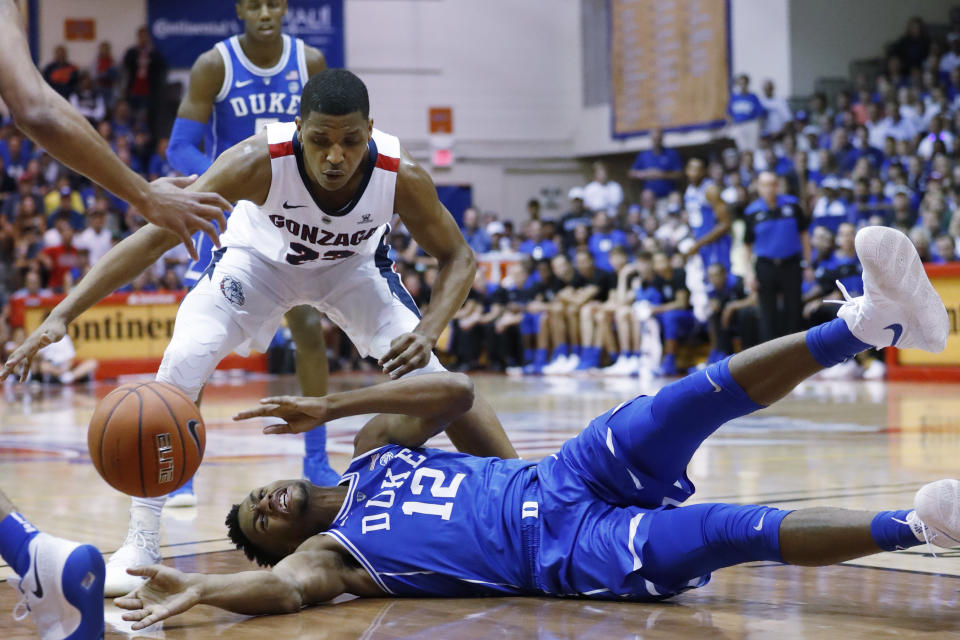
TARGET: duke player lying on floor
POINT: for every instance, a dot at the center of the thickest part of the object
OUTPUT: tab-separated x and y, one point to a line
598	519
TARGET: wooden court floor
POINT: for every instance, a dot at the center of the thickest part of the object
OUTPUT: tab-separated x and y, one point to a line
851	444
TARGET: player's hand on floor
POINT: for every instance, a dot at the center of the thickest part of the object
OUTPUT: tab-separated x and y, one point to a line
166	593
184	212
301	414
408	352
50	331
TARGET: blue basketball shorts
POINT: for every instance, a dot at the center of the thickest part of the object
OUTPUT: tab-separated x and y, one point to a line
610	524
677	324
530	325
717	252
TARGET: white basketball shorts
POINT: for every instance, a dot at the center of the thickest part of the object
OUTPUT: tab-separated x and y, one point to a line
239	302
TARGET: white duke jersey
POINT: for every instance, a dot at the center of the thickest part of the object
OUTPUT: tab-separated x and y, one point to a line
291	228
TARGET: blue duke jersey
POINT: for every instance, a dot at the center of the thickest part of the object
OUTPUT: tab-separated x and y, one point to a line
700	215
430	522
250	98
291	229
702	219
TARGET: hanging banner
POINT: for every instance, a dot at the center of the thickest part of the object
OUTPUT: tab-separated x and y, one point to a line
670	64
183	29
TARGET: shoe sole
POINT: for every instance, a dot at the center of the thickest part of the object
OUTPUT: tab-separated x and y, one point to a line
893	265
181	500
921	496
82	583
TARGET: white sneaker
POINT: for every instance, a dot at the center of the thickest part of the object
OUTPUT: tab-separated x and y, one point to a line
62	589
625	366
936	515
876	370
573	361
846	370
141	547
616	368
899	306
556	365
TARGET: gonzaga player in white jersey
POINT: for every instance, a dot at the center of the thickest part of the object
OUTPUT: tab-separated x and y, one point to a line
236	88
314	201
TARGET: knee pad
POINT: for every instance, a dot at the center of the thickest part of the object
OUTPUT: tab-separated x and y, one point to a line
186	367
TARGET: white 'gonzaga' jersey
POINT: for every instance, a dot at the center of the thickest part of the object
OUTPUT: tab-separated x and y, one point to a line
291	228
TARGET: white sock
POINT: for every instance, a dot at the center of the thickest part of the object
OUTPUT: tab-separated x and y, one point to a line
152	505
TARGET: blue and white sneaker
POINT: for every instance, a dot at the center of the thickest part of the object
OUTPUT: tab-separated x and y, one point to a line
62	589
899	307
936	515
182	497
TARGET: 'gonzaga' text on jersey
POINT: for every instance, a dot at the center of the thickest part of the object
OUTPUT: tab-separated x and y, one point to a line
291	228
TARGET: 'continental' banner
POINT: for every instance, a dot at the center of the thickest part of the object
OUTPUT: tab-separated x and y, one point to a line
670	62
125	332
122	325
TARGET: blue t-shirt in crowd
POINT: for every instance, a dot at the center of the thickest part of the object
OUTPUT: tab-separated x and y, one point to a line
666	160
478	240
830	213
159	166
744	107
601	244
538	250
872	154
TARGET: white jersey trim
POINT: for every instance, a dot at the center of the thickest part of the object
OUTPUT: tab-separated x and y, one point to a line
260	71
302	63
227	72
352	550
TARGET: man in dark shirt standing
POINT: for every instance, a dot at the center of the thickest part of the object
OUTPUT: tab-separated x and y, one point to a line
776	231
61	74
146	78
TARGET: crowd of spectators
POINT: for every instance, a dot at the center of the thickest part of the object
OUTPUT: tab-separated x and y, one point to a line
691	259
55	224
735	246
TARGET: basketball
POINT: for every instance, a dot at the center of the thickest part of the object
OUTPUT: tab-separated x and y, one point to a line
146	439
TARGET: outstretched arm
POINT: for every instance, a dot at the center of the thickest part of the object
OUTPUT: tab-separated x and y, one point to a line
434	229
49	120
419	408
314	573
242	172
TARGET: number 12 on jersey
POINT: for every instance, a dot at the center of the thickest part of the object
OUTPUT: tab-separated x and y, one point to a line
437	490
381	521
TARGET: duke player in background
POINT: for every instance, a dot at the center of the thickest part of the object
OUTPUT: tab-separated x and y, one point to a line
601	518
708	217
314	202
236	88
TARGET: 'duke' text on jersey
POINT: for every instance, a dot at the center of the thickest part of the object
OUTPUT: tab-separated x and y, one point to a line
273	102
